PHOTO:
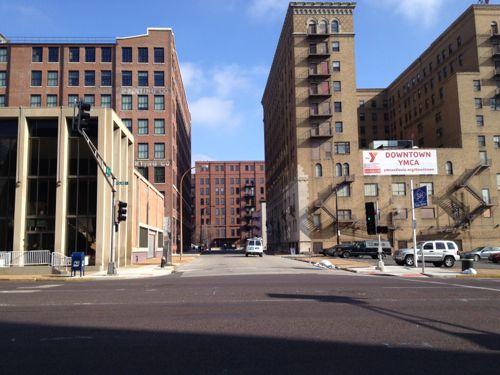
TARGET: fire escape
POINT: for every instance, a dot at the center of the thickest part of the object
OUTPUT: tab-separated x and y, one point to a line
462	214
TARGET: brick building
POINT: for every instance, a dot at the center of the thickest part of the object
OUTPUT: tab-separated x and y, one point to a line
228	198
138	77
317	123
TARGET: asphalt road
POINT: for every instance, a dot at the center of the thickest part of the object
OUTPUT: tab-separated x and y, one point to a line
295	320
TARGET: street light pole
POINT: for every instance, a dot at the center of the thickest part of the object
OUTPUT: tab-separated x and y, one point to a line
337	215
182	205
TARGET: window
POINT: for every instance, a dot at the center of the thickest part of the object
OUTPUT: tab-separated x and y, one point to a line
374	116
338	170
479	120
337	86
344	215
73	78
53	54
72	99
342	148
142	102
339	127
143	78
159	57
36	78
143	54
36	54
128	123
316	220
498	181
371	190
345	169
126	102
427	213
430	187
335	26
74	54
2	101
337	106
399	189
142	151
106	101
3	54
495	104
142	127
477	85
336	66
478	103
496	141
344	191
106	78
89	54
126	54
3	78
126	78
106	54
159	126
36	100
159	150
481	141
143	171
89	99
90	78
335	46
159	102
448	167
52	78
362	116
51	100
159	175
159	79
318	170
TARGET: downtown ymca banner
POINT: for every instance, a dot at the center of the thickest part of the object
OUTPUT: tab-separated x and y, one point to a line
399	162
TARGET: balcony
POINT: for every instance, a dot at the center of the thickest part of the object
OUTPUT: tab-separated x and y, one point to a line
497	91
496	73
495	36
315	113
249	204
322	132
318	51
321	90
315	33
319	73
496	51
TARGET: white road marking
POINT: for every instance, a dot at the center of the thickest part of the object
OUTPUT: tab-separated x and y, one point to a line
455	285
18	291
67	338
40	286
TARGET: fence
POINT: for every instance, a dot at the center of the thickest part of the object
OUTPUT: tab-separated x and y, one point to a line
33	258
60	260
5	258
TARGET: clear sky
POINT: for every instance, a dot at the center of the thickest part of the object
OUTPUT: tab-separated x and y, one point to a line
226	48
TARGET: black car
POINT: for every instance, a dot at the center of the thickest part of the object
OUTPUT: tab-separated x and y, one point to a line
359	248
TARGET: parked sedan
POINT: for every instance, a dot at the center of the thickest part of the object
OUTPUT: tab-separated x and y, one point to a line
495	257
480	253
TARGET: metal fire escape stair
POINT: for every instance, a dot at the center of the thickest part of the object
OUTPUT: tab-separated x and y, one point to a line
461	214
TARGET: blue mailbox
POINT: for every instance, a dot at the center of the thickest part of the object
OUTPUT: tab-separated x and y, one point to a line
77	263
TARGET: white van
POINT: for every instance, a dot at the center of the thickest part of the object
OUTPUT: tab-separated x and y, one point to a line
254	247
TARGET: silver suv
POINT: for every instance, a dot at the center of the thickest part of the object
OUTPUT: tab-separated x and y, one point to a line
435	252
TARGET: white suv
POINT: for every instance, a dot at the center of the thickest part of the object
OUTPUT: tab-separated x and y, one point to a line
254	246
436	252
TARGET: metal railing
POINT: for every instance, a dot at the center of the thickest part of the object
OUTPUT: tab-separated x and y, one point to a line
60	260
30	258
5	258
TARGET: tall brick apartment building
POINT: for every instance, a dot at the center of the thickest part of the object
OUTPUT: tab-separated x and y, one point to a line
228	197
138	77
317	123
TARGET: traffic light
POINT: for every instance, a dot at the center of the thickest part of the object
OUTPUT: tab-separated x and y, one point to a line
83	113
122	211
371	218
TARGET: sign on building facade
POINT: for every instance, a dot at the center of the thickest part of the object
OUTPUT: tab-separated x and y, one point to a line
399	162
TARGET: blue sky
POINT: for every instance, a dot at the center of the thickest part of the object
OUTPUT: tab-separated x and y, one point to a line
226	48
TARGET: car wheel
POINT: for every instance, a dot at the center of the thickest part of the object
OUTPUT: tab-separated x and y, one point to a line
260	255
449	261
399	263
346	254
409	261
437	264
476	258
246	255
374	256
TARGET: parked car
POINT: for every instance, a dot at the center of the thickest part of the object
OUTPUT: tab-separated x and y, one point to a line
330	251
480	253
254	247
358	248
495	257
436	252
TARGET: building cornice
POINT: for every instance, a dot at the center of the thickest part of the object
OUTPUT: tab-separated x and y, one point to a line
322	8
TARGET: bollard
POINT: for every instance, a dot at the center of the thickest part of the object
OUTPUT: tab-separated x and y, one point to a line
467	264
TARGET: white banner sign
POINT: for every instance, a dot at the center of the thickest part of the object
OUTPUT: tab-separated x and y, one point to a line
399	162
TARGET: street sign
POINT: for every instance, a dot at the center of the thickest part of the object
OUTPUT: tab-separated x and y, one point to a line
121	182
420	197
108	171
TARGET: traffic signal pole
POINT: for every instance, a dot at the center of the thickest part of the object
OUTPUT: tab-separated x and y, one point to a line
380	265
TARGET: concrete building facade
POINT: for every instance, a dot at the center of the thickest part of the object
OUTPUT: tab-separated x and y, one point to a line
228	198
317	123
138	77
55	198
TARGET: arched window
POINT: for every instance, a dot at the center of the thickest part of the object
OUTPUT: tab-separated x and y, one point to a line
318	170
494	28
338	169
335	26
311	27
322	27
345	169
448	167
